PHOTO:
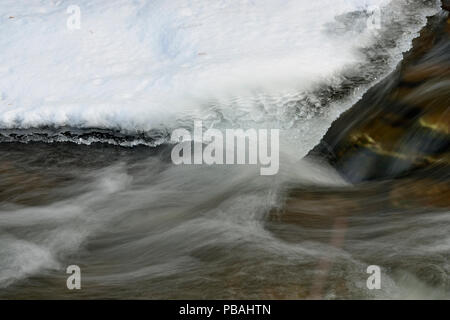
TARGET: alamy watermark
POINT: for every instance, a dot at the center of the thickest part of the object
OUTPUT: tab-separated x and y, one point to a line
374	19
374	280
74	20
74	280
235	146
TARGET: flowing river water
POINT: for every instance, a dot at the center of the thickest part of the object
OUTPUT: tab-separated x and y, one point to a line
374	191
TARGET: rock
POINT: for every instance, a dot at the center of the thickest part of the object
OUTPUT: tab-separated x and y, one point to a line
421	193
438	120
400	125
446	5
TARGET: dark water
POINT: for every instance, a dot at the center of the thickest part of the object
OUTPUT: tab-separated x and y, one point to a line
374	192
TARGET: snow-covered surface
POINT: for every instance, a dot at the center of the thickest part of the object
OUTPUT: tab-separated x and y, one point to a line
143	64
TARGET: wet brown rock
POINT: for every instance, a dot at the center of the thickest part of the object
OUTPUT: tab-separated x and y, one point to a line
424	72
406	128
421	193
322	217
438	120
446	5
380	137
316	210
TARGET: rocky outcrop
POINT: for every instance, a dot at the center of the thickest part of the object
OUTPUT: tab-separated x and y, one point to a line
402	124
446	5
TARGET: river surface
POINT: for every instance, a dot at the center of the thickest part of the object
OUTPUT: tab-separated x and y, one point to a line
81	184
